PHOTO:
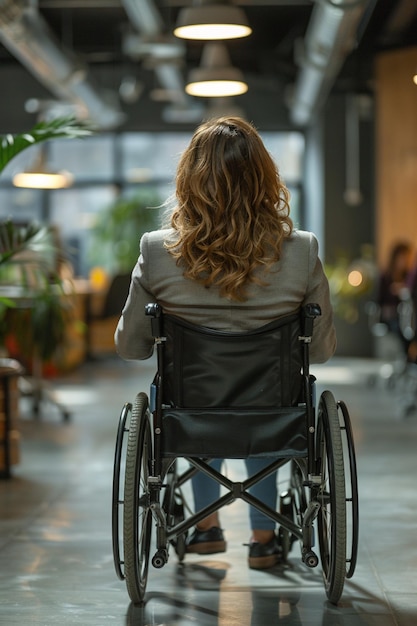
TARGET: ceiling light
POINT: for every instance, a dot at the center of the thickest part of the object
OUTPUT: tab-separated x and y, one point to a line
215	78
40	177
212	21
43	180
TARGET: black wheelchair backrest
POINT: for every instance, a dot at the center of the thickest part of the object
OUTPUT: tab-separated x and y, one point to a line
211	368
239	394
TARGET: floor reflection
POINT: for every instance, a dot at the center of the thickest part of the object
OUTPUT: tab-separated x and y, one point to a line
55	526
200	593
202	596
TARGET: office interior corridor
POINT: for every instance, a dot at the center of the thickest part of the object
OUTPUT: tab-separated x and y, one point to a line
56	562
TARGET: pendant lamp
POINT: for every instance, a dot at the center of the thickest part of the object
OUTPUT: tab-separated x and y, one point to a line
216	77
211	20
39	176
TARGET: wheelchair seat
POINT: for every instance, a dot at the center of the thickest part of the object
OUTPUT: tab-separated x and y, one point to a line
234	395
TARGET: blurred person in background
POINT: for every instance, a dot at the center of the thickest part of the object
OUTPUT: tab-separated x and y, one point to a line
393	289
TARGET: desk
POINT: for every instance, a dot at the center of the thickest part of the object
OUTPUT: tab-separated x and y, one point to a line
88	304
35	385
87	333
99	327
10	370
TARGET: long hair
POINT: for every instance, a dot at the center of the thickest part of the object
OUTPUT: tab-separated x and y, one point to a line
232	210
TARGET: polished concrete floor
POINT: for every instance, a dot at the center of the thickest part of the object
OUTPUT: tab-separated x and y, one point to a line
56	562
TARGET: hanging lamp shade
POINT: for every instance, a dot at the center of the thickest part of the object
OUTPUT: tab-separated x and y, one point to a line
212	21
216	77
41	177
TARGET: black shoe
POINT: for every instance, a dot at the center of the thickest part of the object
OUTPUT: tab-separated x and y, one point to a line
206	541
264	555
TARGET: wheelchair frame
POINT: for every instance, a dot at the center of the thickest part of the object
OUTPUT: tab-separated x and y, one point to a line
322	490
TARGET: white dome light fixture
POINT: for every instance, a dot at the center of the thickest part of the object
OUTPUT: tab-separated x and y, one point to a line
211	21
41	177
43	180
216	77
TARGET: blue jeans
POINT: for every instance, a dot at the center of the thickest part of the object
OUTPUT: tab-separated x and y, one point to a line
206	490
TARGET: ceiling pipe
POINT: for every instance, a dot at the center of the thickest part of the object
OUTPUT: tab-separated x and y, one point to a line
27	36
353	194
146	20
330	37
165	55
144	16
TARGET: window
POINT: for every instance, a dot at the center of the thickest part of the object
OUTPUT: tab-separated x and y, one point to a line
92	158
22	205
74	211
106	165
151	156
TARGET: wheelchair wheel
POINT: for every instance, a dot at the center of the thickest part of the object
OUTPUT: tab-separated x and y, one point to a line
352	495
286	507
293	504
297	480
117	481
173	505
331	520
137	517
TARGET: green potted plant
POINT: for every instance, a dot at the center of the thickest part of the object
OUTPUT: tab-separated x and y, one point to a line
113	253
26	263
116	234
28	256
27	273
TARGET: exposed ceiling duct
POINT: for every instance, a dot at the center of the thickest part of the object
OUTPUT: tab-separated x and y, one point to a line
335	26
27	36
330	37
164	54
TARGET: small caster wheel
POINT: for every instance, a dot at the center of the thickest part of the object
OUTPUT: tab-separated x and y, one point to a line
159	559
310	558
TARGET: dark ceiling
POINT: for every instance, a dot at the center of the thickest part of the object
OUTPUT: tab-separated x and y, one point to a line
96	32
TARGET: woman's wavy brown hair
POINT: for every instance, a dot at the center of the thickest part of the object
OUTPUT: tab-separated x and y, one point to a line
232	210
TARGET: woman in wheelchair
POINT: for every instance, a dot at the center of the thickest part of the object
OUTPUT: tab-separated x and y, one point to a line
231	260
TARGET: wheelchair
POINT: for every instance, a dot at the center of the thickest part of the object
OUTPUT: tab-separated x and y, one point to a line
234	395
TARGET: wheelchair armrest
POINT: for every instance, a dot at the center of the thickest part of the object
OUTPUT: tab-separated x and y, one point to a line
312	310
309	314
155	311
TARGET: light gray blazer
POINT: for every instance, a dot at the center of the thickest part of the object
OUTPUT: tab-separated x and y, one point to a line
297	279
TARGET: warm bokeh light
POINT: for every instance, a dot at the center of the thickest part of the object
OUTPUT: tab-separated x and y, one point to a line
212	32
43	180
216	88
355	278
98	278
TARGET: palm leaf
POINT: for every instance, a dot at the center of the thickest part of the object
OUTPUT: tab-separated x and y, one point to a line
15	240
68	127
33	249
